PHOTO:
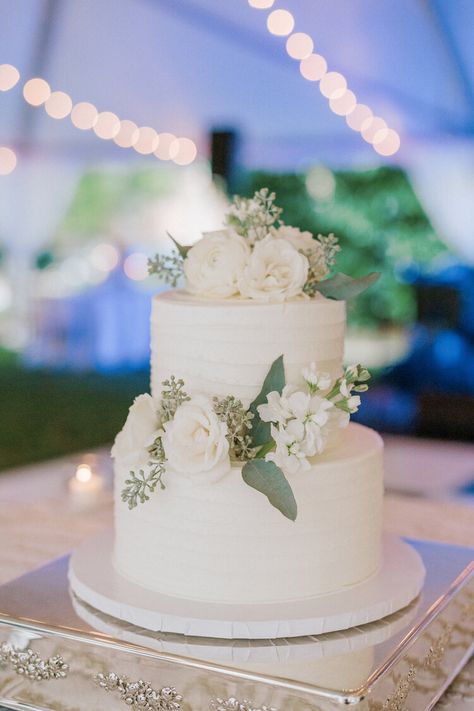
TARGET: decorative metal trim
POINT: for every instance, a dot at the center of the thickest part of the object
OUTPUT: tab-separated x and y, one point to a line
31	665
233	704
140	694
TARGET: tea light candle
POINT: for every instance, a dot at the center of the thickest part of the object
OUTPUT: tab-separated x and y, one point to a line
85	487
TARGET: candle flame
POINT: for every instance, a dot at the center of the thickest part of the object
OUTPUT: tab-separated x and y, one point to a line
83	473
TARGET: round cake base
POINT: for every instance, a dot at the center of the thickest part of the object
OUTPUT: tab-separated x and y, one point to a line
95	581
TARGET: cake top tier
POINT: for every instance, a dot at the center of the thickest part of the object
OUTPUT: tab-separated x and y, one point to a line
257	257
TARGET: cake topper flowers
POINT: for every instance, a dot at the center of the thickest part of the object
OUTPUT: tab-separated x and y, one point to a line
277	436
256	256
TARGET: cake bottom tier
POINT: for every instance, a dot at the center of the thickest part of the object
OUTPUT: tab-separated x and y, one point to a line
224	542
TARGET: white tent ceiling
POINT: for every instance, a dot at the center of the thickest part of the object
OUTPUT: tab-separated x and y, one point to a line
188	65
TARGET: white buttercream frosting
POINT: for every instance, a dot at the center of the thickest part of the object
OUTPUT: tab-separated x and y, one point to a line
223	541
226	347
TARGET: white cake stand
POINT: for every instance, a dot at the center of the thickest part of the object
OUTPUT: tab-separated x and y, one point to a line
95	581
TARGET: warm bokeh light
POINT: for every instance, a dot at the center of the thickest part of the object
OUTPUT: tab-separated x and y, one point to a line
261	4
83	473
164	145
357	118
183	151
147	140
36	91
127	135
321	183
333	85
299	45
104	257
313	67
344	104
371	127
135	266
84	115
280	22
7	160
388	144
59	105
9	77
107	125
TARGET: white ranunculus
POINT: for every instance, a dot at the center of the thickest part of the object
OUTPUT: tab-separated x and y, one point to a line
213	265
276	271
307	245
195	439
140	430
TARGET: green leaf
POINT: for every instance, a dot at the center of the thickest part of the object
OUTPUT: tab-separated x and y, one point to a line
342	287
182	249
275	380
267	478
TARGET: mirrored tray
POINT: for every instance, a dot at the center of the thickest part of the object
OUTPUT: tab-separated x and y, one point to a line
401	663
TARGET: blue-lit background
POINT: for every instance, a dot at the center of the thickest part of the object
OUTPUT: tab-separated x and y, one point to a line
79	215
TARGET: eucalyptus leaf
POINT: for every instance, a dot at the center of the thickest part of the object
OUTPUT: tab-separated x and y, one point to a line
342	287
275	380
182	249
267	478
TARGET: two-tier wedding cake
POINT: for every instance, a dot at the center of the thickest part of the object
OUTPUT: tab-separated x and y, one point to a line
240	479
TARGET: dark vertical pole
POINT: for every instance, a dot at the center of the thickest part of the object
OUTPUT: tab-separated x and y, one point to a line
223	157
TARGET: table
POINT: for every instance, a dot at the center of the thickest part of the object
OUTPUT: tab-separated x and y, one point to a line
424	500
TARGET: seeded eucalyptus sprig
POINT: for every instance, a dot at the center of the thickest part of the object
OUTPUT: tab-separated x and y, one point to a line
168	267
139	486
239	422
172	396
253	217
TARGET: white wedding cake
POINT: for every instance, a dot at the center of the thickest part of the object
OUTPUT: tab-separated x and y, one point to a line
240	479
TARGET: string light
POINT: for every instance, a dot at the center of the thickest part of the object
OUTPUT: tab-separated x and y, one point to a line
345	104
59	105
182	151
280	22
333	85
147	140
389	144
36	91
357	118
9	77
107	125
7	160
261	4
135	266
299	45
164	144
314	67
104	257
127	135
84	115
371	127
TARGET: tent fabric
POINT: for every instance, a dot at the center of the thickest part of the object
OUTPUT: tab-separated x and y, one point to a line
186	66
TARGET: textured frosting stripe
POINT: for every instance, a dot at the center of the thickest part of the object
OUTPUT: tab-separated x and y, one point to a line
224	542
226	347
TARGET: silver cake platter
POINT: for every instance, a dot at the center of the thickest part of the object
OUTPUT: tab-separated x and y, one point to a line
58	652
94	579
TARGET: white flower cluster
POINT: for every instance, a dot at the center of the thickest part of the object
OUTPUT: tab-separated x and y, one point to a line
302	420
255	259
194	440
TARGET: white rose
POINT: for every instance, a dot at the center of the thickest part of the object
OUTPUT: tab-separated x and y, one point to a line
311	248
214	264
195	439
140	430
276	271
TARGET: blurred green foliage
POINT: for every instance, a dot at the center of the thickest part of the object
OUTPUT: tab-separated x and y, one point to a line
380	224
